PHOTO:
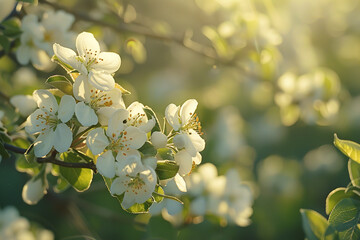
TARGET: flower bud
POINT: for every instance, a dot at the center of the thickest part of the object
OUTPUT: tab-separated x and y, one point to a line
158	139
33	191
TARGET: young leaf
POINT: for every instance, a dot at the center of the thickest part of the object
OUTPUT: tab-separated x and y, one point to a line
3	152
349	148
314	224
30	155
165	153
151	114
5	43
11	27
79	178
336	196
148	149
352	233
345	215
166	169
354	172
159	190
123	90
61	185
62	83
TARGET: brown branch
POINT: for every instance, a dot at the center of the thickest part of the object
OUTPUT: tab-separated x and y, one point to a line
52	159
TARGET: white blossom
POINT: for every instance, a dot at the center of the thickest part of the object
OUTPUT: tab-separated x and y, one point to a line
184	120
97	66
49	121
33	191
158	139
120	139
24	104
95	105
135	180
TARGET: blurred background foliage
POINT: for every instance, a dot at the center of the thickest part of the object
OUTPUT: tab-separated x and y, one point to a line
274	80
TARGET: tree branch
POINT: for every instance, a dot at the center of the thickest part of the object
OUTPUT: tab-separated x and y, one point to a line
184	41
52	159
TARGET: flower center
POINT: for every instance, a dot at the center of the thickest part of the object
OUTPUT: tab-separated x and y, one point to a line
136	183
136	119
99	99
194	124
47	121
120	143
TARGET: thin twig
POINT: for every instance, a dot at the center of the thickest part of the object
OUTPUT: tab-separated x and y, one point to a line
52	159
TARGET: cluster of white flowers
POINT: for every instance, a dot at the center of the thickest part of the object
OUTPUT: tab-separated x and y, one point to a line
311	97
95	114
223	196
15	227
38	37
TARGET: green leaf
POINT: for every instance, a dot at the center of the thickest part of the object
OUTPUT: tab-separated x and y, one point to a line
28	1
4	136
349	148
140	207
166	169
350	234
354	172
151	114
165	153
62	83
314	224
3	152
12	27
30	155
336	196
148	150
22	165
123	90
61	185
65	66
160	191
79	178
136	49
345	215
330	234
5	43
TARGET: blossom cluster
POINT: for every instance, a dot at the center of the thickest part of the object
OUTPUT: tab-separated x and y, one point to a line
224	196
15	227
125	142
37	37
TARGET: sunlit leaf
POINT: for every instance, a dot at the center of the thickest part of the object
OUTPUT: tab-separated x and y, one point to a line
166	169
148	149
349	148
79	178
313	223
62	83
354	172
159	190
336	196
136	49
345	215
151	114
165	153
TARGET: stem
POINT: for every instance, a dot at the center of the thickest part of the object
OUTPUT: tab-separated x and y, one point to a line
52	159
169	197
3	95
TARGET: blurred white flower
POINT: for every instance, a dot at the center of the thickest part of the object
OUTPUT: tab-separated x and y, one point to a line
15	227
49	121
95	105
97	66
32	43
135	180
121	139
25	104
24	76
184	120
34	190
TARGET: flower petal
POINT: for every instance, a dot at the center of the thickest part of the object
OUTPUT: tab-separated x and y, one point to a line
104	114
66	55
187	110
119	185
87	46
135	137
172	116
23	54
197	159
117	123
33	122
184	160
97	141
108	62
148	126
85	114
25	104
196	140
101	80
66	108
180	183
63	136
106	164
158	139
129	200
33	191
82	88
44	143
45	100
